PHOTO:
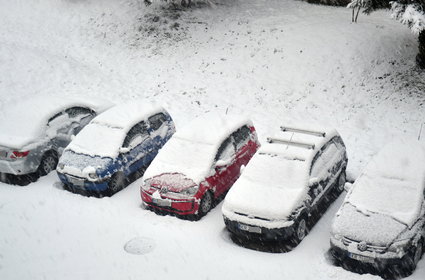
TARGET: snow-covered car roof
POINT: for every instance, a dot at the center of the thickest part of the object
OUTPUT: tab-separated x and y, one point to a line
24	122
191	150
310	142
393	182
275	181
105	134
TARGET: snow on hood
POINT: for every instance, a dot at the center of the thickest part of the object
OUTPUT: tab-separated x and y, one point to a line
25	121
105	134
393	182
373	228
191	150
272	185
175	182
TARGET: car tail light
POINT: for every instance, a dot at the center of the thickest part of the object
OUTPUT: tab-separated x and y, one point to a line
17	154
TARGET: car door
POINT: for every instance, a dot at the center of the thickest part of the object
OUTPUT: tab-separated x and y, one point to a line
243	151
57	131
158	129
224	159
324	171
137	148
79	117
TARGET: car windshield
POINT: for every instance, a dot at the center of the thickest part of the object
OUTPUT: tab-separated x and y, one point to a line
98	140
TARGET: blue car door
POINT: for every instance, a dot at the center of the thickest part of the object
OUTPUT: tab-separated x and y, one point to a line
139	146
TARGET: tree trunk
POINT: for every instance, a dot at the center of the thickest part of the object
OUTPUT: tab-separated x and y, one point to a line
420	58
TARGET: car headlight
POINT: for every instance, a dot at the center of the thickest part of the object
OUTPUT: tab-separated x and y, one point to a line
146	185
399	246
93	175
190	191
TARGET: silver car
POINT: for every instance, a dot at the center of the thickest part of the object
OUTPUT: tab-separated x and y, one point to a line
381	223
34	132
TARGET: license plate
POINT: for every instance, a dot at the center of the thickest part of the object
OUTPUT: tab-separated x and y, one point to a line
249	228
3	154
161	202
360	258
76	181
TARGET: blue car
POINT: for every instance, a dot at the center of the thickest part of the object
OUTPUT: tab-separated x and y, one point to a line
113	146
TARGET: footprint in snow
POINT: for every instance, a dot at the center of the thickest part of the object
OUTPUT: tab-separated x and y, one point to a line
139	246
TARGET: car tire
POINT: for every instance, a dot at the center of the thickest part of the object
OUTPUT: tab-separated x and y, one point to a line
342	178
300	230
48	163
206	204
411	260
116	183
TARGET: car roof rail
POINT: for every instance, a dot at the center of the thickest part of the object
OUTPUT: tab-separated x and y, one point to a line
303	131
291	143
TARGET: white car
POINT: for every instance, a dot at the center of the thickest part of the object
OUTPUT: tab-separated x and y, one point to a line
381	222
284	183
34	132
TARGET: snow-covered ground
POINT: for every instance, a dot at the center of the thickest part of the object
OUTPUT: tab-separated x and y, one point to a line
277	61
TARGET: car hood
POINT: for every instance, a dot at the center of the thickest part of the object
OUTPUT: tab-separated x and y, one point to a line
81	165
373	228
270	187
174	182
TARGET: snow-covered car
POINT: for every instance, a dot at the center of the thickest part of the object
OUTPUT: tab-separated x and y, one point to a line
381	222
113	146
34	132
285	183
199	164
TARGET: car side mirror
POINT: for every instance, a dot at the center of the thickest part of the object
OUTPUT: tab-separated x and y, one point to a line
348	187
313	181
124	150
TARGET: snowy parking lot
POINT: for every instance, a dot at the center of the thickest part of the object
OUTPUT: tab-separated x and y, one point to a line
276	61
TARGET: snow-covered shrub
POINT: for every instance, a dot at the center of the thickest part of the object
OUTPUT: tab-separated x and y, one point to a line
409	12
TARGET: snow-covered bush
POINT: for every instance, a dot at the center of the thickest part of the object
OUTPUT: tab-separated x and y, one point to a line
409	12
413	15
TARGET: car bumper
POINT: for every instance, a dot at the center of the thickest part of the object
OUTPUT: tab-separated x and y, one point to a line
78	184
378	261
18	167
254	232
176	206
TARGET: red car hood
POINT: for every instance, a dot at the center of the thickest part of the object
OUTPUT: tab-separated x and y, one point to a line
174	182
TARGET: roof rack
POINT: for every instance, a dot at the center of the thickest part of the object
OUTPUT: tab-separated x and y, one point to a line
304	131
296	144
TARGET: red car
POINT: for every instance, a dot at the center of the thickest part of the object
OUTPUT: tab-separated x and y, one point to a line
199	164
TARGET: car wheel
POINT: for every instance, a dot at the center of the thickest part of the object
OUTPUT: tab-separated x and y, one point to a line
301	230
341	181
116	183
418	253
412	258
206	204
48	163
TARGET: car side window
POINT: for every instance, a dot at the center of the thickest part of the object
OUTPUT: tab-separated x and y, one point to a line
136	135
326	159
157	120
79	111
241	137
226	150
